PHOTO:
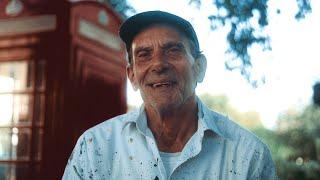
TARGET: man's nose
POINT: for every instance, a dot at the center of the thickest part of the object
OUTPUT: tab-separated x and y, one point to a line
160	63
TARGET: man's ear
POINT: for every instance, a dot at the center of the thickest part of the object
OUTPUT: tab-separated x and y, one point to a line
130	75
200	67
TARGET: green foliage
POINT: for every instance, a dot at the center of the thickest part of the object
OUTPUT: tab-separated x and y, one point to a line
121	6
296	148
316	93
291	170
238	14
304	8
242	34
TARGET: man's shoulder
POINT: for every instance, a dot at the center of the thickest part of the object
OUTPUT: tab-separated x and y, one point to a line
248	147
113	125
232	131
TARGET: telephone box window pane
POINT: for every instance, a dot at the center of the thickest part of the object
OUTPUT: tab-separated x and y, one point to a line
39	109
15	76
22	109
6	109
15	143
14	171
15	109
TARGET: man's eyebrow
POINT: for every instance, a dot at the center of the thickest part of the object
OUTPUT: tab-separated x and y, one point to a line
168	45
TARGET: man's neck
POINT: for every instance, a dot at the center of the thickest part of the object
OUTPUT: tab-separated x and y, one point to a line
173	129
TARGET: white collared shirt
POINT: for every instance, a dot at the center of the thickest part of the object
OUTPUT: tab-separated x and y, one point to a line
124	148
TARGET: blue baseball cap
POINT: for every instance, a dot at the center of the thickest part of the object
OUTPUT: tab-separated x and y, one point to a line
135	24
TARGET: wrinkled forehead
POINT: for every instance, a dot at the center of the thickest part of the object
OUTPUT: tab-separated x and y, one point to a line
159	34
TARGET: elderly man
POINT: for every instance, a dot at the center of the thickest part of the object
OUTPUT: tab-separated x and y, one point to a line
173	135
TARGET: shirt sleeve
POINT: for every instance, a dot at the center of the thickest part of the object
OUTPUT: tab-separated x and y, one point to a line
262	166
78	162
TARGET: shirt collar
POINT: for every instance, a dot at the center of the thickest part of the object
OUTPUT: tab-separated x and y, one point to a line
142	123
209	120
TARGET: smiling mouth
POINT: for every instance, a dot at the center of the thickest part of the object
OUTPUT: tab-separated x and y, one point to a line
162	84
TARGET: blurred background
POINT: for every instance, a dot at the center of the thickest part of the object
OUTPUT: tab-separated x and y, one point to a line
62	70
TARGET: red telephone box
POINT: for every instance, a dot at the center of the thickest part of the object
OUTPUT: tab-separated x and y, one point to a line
62	71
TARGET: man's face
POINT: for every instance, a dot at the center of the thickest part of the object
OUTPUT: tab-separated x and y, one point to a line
162	67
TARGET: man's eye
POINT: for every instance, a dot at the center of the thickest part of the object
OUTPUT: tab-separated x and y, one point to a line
143	54
174	50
